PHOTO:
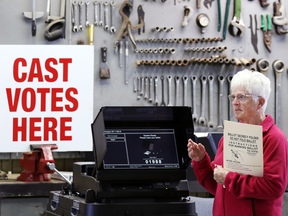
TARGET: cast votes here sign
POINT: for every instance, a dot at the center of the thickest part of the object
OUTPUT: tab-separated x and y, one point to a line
46	97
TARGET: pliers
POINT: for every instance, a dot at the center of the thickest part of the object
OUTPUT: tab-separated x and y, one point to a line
266	31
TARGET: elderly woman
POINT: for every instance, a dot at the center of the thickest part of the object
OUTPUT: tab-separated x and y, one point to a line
247	195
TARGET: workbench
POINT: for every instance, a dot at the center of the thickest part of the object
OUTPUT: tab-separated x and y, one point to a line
25	198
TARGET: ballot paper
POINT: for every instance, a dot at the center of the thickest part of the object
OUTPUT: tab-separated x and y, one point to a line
243	148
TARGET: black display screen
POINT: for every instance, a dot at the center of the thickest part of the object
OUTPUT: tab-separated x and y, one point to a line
141	149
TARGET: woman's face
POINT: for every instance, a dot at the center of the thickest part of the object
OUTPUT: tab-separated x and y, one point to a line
245	110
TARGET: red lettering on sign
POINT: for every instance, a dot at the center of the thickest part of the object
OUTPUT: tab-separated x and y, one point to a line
64	128
38	74
65	62
51	128
33	129
52	70
16	70
55	99
13	106
32	101
43	92
22	129
73	100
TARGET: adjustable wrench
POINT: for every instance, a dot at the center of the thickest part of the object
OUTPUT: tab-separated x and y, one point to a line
229	78
194	115
155	91
169	78
95	13
106	26
202	119
150	89
177	81
100	13
278	67
75	28
87	13
185	83
220	101
162	89
80	15
211	123
112	8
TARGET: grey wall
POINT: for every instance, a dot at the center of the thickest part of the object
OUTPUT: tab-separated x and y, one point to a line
15	29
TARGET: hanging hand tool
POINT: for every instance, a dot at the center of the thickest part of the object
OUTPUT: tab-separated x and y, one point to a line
126	26
237	27
112	9
74	9
104	69
202	21
126	61
33	15
198	4
267	32
208	2
226	18
56	27
141	14
219	15
280	19
80	15
188	11
264	3
278	67
262	65
254	37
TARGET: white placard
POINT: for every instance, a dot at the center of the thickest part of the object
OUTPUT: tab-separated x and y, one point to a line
243	148
46	96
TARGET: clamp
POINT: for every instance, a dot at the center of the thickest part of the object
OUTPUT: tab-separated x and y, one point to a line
280	18
266	32
126	26
237	27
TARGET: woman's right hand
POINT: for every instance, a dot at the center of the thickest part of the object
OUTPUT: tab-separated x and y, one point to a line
196	152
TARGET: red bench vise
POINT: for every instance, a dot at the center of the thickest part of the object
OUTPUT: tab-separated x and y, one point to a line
35	163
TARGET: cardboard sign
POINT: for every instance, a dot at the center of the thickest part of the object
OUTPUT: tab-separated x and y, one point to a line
46	96
243	148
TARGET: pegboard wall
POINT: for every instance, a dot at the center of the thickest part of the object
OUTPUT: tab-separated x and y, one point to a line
123	89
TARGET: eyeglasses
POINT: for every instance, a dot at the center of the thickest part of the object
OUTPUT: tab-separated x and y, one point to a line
240	97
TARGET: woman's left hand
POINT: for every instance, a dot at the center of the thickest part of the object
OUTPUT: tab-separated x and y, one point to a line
220	174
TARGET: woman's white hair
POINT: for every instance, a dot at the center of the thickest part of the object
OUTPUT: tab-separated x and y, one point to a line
254	82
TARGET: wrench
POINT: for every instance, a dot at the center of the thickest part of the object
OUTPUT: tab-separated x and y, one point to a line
87	13
100	13
194	115
141	85
150	89
112	8
162	85
80	15
155	91
95	13
106	26
177	81
134	84
75	28
121	54
146	86
185	83
220	102
138	88
169	78
211	123
229	78
202	119
278	67
262	65
126	61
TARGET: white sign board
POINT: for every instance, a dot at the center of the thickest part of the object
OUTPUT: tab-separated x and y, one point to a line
243	148
46	96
